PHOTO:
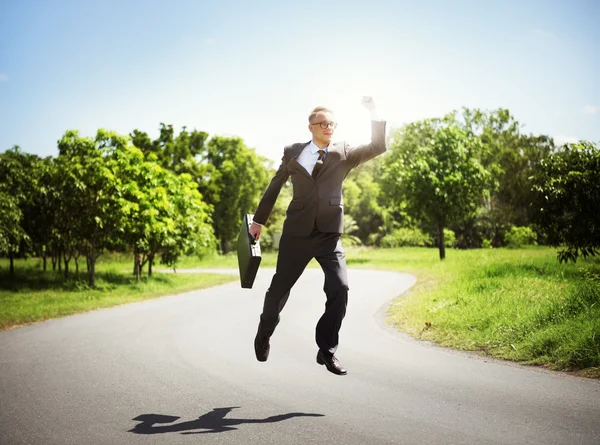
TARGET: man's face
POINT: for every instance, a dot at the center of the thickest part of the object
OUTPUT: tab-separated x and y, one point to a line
320	134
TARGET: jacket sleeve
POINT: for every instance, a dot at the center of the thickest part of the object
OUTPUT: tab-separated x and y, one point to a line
362	153
267	202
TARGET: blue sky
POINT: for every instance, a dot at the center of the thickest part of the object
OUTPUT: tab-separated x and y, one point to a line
256	69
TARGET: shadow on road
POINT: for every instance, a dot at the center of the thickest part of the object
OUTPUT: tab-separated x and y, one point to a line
212	422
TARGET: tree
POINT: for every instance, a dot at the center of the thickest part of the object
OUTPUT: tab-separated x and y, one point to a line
39	214
193	232
435	172
233	178
11	232
568	198
88	213
513	158
274	225
176	153
163	212
364	200
18	182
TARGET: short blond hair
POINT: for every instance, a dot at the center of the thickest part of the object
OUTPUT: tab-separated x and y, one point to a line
316	110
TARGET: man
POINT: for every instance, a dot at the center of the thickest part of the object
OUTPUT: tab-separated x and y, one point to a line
313	226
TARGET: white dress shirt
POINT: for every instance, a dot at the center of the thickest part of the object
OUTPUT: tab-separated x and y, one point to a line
308	157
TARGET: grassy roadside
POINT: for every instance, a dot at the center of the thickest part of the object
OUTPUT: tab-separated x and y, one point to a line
35	296
519	305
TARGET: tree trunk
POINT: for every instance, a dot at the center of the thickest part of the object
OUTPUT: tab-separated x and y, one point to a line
138	267
92	268
442	245
45	257
66	266
12	264
77	265
59	260
150	261
53	259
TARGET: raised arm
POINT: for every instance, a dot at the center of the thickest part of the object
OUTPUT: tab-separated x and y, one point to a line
377	146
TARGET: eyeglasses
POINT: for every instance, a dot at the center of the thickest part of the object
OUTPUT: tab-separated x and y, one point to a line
324	125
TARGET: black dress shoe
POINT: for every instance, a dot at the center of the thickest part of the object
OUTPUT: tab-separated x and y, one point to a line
332	363
261	348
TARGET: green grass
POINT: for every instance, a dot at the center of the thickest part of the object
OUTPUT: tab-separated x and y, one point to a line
33	295
517	304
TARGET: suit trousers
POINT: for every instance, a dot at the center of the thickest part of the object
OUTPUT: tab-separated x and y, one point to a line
295	252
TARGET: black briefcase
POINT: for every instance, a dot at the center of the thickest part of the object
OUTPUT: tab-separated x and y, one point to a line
248	252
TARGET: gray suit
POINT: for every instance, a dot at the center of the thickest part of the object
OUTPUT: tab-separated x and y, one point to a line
312	228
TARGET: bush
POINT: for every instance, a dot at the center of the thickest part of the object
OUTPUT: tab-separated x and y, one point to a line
520	236
266	239
567	198
449	238
406	237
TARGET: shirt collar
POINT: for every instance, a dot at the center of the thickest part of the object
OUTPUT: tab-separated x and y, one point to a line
314	148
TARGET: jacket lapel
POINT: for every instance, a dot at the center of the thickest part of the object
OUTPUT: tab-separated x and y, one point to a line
294	164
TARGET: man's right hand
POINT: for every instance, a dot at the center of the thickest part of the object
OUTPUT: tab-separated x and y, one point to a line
368	103
255	229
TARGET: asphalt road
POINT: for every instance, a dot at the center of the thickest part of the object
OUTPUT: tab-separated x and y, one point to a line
181	370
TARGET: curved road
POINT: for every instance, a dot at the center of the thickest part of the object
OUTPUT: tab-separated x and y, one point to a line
181	370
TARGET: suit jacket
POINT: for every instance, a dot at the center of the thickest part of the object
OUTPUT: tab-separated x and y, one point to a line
318	199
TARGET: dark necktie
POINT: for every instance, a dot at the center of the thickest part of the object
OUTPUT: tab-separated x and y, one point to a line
319	164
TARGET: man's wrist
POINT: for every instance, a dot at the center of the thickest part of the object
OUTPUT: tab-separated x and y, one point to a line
375	115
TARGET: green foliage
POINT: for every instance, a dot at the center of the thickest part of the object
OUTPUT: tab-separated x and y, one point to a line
449	238
349	237
406	237
267	239
434	172
165	197
162	212
513	158
520	236
109	195
233	179
365	202
274	226
17	183
175	153
11	232
88	211
568	198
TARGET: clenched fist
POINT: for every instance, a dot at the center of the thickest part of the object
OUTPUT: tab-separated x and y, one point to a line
368	103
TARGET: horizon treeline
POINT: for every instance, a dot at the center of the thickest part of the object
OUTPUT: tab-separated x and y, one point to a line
469	179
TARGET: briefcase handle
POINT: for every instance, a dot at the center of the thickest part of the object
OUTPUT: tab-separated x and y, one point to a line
251	238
